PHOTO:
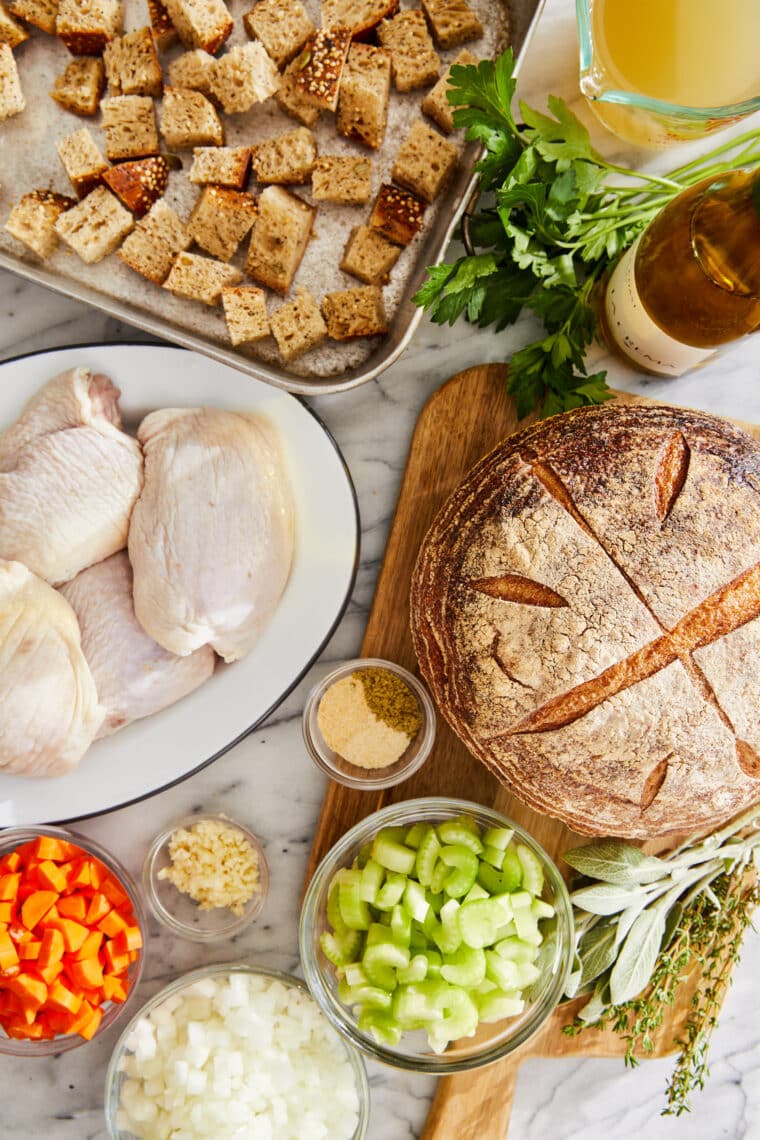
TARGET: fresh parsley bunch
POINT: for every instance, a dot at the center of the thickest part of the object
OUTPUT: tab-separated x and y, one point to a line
555	227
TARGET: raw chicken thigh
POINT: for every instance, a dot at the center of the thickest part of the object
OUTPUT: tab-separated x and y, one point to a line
211	539
49	707
69	478
134	676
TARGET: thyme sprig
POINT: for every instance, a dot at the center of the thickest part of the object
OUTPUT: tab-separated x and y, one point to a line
647	925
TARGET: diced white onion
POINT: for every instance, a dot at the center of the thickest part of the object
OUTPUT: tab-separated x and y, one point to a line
237	1056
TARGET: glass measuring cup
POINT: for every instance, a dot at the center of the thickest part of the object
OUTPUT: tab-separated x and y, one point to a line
664	71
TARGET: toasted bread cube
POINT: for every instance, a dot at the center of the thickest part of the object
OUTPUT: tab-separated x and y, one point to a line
96	226
359	16
355	312
80	87
140	183
129	122
201	23
298	326
364	92
193	70
283	26
397	215
245	312
220	220
244	76
279	238
221	166
285	158
452	22
414	60
369	256
32	220
155	242
11	32
189	120
425	162
12	100
82	161
435	104
86	26
164	32
292	101
320	65
200	278
132	64
345	179
41	13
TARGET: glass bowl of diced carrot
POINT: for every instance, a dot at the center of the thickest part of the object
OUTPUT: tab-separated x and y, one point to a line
72	931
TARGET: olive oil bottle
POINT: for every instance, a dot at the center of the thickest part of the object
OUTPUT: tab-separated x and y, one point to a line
691	282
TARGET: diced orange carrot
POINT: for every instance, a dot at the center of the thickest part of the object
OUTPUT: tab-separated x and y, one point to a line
10	862
29	951
91	945
116	963
50	876
53	947
73	906
10	1005
59	1024
19	1029
6	911
90	1028
128	940
52	918
114	892
74	934
30	989
85	1013
98	908
98	873
9	884
51	972
79	875
8	952
48	847
61	998
113	924
36	907
114	988
88	973
19	933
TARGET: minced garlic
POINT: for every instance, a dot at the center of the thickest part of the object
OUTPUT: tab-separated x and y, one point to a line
213	863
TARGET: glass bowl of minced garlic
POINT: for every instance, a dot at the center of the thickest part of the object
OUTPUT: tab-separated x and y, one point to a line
206	877
369	724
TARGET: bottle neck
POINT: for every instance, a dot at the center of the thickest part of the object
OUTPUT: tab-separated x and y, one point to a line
725	232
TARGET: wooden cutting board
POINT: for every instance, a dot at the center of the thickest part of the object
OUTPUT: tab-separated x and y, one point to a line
461	422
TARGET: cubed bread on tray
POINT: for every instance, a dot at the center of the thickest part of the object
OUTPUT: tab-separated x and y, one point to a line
129	123
80	86
352	313
425	162
292	101
359	16
193	70
397	214
12	101
189	120
132	64
452	22
95	226
154	243
364	93
140	183
243	76
283	26
414	60
164	32
298	326
586	612
82	161
435	104
32	220
289	157
220	220
369	256
279	238
200	278
221	166
12	32
319	67
202	24
40	13
86	26
345	179
245	312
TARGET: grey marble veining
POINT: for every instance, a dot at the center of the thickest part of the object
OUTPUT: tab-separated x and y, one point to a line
268	781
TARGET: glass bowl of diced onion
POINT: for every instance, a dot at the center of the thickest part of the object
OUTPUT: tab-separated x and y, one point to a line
233	1049
437	935
72	948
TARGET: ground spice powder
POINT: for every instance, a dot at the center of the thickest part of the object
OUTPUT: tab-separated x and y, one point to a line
369	718
391	700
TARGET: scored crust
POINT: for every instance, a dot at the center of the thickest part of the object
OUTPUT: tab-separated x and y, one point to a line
586	611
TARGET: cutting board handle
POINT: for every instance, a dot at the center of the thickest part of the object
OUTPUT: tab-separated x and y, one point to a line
475	1105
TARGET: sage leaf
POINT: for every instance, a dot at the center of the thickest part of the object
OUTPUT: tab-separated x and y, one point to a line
606	898
597	1003
637	958
611	861
597	950
627	919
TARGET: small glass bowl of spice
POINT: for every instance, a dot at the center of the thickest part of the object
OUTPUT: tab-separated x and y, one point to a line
206	877
369	724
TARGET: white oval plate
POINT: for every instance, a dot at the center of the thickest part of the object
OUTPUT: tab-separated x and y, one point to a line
153	753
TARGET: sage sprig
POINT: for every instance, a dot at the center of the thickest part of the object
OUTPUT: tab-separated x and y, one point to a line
643	921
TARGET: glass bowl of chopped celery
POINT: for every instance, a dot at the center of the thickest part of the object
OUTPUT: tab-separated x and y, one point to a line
235	1050
206	877
437	935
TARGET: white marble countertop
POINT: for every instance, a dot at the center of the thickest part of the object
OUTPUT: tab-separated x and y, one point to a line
268	781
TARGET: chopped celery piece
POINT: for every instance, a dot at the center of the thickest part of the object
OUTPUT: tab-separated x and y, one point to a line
503	971
464	870
494	856
497	1005
440	874
465	967
434	963
527	925
479	921
427	857
508	930
364	995
378	933
394	856
415	902
372	880
383	1026
365	851
436	900
354	911
416	971
416	834
516	950
418	940
334	917
385	954
491	880
528	973
340	949
499	837
391	891
532	871
461	1020
511	870
541	909
355	974
475	892
520	900
401	925
412	1005
446	934
457	833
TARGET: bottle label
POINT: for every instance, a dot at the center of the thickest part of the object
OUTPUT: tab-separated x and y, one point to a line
634	331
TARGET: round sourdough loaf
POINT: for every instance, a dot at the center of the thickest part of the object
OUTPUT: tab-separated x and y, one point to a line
586	611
